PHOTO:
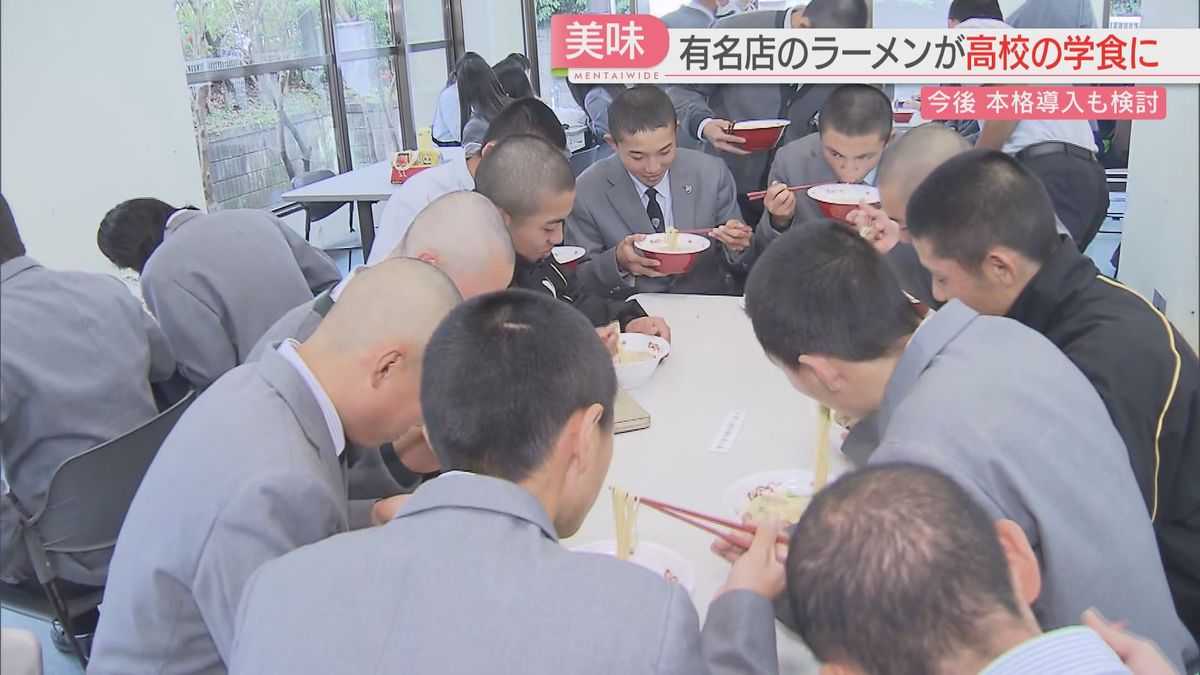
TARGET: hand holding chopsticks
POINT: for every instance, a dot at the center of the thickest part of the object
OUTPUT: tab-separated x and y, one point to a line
697	519
759	195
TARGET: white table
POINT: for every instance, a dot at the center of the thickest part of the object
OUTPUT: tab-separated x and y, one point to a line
716	366
364	187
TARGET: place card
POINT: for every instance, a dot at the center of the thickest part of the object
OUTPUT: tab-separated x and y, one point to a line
727	434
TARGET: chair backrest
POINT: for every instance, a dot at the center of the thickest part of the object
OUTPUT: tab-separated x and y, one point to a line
90	493
582	159
310	177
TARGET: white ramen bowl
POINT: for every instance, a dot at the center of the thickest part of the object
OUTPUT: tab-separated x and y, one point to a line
633	375
654	557
739	495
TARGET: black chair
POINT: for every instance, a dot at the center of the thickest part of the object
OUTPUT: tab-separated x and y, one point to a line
580	160
314	211
86	503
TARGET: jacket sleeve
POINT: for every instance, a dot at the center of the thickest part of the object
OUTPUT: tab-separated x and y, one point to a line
318	268
727	209
691	105
598	269
766	233
599	310
194	331
738	637
255	527
162	359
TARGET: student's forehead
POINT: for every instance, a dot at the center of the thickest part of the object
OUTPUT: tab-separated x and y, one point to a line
657	137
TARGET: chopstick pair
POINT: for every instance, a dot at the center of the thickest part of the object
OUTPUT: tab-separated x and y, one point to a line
695	518
760	195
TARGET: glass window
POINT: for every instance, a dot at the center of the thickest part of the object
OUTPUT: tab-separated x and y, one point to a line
225	33
372	109
427	77
362	24
424	21
257	133
493	28
554	89
911	13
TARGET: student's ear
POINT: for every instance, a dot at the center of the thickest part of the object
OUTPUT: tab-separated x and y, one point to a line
952	23
1022	562
582	432
891	137
487	148
387	364
799	20
825	370
611	143
1001	265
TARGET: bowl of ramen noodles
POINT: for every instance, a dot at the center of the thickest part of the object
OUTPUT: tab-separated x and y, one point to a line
760	135
837	200
567	256
783	494
637	358
902	116
675	251
655	557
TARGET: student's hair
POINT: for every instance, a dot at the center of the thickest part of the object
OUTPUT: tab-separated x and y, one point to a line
822	289
479	91
521	169
527	116
857	110
641	108
838	14
501	377
11	245
962	10
513	79
981	199
894	568
132	230
519	59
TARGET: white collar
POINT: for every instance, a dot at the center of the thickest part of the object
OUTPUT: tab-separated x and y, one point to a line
663	188
696	5
787	16
869	179
287	349
336	292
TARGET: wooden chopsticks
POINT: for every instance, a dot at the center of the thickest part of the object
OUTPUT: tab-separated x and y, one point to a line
759	195
695	519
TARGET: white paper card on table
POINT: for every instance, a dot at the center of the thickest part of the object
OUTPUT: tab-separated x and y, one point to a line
727	434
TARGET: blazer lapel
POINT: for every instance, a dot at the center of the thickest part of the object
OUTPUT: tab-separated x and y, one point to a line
625	200
284	379
684	193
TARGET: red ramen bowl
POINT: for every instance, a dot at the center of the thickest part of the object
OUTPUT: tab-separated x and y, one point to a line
837	200
675	260
760	135
567	256
902	116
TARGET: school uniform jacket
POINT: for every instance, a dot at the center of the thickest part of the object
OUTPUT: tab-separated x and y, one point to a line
736	102
77	356
219	280
547	276
608	209
1005	414
249	473
1149	379
470	578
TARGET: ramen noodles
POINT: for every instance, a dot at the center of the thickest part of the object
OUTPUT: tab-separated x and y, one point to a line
821	448
785	505
672	239
628	357
625	505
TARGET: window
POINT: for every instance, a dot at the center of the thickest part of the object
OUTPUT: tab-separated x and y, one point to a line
283	87
554	89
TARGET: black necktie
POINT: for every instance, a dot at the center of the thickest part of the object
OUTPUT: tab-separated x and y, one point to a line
654	210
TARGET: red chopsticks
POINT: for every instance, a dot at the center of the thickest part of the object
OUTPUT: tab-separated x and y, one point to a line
759	195
695	519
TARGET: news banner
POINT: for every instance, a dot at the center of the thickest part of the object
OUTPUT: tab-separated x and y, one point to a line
1119	68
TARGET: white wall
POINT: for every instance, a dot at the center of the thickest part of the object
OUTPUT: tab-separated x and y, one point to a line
94	109
1160	248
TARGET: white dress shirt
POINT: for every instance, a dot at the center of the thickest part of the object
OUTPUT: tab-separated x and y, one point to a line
287	349
416	193
664	198
447	120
